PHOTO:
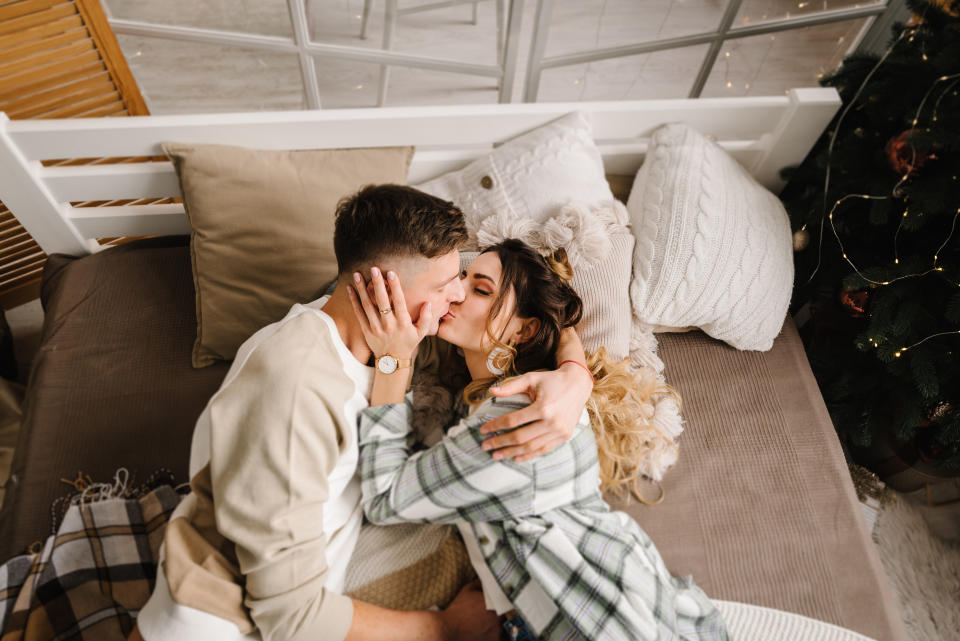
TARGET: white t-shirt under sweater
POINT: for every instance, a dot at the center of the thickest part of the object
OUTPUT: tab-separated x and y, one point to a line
275	510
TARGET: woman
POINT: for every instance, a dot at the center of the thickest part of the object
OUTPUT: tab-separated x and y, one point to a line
551	555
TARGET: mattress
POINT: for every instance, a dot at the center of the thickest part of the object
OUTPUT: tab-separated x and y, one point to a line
759	508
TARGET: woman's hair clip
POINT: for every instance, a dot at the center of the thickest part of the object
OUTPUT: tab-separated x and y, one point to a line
559	263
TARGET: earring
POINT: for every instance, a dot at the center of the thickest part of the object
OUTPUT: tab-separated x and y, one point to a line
498	360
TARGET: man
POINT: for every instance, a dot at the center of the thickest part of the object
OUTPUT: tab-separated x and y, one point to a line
259	548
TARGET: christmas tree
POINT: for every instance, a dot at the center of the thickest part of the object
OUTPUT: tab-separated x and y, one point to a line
874	209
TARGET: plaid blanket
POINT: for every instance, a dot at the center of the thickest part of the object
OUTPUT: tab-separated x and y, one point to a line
92	577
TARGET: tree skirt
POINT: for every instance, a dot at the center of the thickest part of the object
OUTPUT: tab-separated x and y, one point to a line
923	569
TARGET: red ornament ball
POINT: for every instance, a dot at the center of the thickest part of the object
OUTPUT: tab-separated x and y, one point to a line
903	157
854	302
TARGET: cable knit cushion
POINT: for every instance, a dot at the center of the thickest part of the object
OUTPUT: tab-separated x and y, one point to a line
713	248
530	176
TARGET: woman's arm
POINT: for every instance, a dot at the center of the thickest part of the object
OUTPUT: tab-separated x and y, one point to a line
455	480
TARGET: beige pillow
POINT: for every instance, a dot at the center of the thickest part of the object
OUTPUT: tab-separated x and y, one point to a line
262	230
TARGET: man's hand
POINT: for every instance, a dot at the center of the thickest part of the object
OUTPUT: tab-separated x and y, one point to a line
558	399
467	617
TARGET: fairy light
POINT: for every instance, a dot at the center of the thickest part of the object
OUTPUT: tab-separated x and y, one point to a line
903	349
833	139
896	191
936	105
953	226
897	188
896	253
843	251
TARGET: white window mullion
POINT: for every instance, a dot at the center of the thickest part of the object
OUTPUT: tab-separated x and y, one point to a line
301	35
708	61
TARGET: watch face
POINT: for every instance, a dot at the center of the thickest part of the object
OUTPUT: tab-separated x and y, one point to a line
387	364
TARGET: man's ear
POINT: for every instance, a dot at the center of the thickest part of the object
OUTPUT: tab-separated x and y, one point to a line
528	330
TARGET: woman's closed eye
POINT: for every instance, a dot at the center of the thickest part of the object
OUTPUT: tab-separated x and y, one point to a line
482	292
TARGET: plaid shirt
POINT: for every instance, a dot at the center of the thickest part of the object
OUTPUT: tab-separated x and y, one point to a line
573	568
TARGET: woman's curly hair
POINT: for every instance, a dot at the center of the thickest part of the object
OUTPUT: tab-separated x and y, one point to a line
619	406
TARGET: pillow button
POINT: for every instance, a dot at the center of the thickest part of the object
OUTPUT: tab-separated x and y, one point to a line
483	540
486	182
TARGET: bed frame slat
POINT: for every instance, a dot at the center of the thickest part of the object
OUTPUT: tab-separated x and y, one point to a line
724	118
763	133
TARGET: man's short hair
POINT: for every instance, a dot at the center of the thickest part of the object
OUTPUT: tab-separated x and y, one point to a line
388	220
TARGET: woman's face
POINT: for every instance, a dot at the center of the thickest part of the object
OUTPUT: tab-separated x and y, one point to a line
465	324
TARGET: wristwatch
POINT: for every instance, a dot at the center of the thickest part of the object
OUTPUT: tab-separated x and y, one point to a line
388	363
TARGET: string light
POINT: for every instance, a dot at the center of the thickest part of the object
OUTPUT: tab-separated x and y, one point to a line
935	268
833	139
897	188
903	349
896	191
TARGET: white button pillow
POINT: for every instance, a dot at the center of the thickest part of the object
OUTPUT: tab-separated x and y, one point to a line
531	176
714	248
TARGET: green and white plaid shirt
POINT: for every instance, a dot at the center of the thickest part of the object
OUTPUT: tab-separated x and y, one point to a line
573	568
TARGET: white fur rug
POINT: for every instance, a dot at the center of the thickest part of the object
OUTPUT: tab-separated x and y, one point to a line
924	571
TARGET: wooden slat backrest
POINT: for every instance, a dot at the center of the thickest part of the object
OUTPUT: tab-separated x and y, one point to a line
58	59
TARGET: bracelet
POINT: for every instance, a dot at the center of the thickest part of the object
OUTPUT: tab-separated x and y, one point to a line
581	365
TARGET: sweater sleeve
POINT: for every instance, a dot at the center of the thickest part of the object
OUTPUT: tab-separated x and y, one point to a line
275	438
455	480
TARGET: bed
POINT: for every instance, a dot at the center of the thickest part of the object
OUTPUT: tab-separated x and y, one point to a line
760	507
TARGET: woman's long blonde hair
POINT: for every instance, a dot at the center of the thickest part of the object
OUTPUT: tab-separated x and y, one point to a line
621	404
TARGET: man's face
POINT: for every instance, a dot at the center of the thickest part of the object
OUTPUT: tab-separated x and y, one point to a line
433	280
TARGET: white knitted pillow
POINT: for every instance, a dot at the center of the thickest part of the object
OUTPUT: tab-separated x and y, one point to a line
714	248
530	176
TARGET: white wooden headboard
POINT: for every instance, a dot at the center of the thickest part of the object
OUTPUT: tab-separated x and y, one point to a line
763	133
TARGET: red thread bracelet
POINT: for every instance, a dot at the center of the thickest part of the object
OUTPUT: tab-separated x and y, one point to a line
581	365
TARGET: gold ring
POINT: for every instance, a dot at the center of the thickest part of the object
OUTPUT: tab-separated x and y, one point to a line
385	311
